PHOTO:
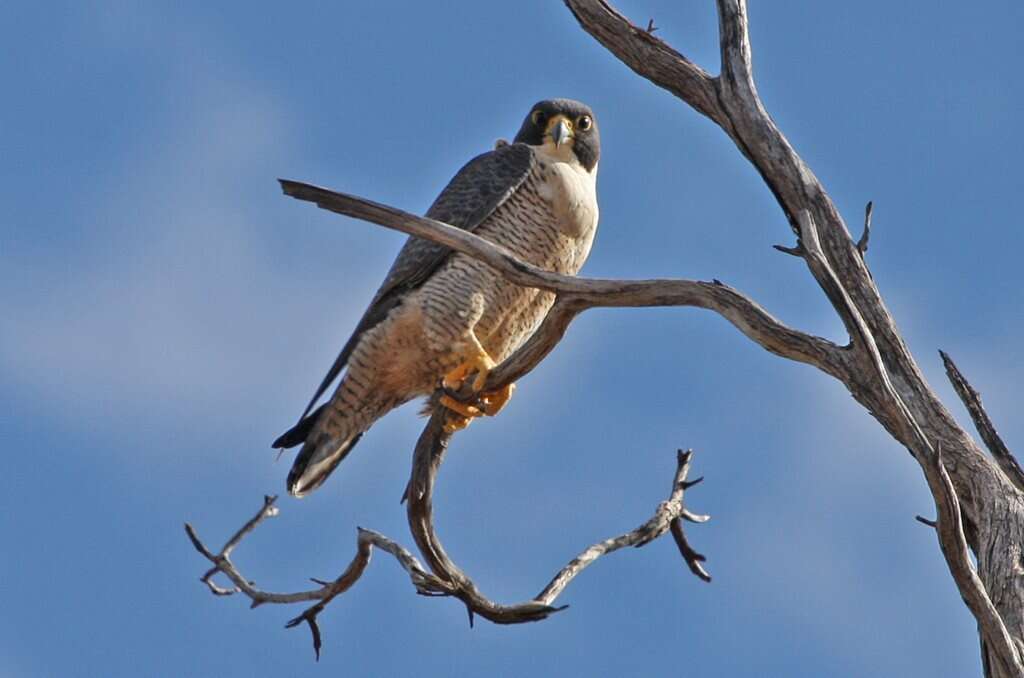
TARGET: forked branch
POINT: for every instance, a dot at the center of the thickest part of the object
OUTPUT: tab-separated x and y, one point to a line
882	374
876	366
447	579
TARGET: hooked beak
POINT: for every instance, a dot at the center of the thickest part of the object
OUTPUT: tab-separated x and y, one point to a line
560	129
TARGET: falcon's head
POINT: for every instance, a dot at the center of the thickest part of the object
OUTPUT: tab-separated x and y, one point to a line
566	126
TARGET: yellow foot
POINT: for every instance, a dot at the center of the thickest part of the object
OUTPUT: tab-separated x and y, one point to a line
481	363
465	410
460	414
493	402
456	422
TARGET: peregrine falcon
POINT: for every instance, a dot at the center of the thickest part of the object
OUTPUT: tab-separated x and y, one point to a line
441	317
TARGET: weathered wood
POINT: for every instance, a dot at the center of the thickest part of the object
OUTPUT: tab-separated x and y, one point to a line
979	502
992	507
444	577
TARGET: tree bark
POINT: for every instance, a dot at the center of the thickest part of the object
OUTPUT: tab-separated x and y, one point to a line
882	374
979	498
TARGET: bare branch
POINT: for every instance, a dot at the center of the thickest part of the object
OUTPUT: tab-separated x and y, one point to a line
429	454
647	55
578	294
797	251
734	43
950	529
972	400
876	367
668	515
447	579
861	333
997	641
425	582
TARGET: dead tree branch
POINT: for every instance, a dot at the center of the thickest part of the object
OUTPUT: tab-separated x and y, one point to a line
425	582
980	503
949	527
883	375
986	429
575	295
446	579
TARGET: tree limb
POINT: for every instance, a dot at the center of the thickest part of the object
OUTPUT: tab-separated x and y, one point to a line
996	639
447	579
882	374
986	429
578	294
980	505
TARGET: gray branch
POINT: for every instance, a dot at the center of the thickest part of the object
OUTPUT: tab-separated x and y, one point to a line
980	504
881	373
578	294
986	429
445	578
996	639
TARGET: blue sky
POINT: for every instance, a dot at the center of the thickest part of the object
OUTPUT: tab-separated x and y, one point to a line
166	313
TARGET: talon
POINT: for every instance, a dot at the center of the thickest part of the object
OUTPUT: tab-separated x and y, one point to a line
456	422
465	410
495	401
479	362
453	380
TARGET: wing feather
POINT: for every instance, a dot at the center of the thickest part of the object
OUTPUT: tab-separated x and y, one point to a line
479	188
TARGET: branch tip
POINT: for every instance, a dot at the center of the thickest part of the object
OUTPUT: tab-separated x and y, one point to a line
862	243
971	399
797	251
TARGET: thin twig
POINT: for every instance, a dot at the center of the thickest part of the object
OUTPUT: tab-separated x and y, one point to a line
447	579
862	244
647	54
797	251
425	582
668	516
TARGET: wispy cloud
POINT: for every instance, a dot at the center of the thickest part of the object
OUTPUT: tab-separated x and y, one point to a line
179	296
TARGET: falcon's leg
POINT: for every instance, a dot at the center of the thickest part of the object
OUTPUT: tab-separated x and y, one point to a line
479	361
476	359
465	410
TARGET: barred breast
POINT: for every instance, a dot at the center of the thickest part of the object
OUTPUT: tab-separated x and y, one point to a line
549	222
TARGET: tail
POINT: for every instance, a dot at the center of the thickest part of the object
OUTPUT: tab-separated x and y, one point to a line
317	459
320	454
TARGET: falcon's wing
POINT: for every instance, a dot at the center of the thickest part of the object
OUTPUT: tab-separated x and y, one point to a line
479	188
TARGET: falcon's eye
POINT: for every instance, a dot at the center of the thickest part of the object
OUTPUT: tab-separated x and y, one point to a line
584	123
538	118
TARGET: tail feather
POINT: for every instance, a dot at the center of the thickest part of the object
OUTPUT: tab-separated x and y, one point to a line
317	460
297	434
